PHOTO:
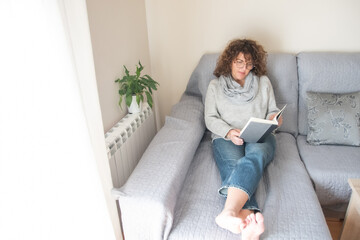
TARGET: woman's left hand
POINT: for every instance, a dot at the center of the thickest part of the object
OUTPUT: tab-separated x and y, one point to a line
279	121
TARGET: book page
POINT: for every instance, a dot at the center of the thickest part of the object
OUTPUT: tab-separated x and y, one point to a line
278	115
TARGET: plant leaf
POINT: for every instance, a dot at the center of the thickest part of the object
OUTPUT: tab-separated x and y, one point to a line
139	69
151	83
126	71
138	98
122	91
128	99
120	101
150	79
141	66
149	99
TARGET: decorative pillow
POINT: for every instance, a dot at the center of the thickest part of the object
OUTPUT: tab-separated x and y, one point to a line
333	118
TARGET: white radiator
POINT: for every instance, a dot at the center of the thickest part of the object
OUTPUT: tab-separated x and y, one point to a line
127	140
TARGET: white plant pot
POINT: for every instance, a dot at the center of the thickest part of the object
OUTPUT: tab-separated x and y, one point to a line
134	107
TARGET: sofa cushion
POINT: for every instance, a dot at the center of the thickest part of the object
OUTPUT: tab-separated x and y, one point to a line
282	72
285	194
329	167
325	72
333	118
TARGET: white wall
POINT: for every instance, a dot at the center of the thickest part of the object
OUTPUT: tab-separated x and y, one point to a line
49	182
119	37
181	31
76	21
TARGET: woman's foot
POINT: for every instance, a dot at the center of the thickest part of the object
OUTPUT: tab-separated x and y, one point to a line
227	219
254	227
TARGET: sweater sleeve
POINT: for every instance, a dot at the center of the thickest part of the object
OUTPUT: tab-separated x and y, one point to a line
272	108
213	120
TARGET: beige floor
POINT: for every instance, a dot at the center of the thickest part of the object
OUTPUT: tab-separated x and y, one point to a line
335	226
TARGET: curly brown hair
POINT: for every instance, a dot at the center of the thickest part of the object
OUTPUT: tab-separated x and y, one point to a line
251	50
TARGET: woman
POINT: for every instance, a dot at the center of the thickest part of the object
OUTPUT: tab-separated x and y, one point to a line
240	91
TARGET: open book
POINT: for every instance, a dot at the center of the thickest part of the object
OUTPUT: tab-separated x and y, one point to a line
257	129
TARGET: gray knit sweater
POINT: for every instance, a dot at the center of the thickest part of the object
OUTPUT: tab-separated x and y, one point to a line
222	115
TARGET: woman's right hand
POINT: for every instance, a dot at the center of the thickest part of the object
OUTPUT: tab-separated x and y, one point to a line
233	135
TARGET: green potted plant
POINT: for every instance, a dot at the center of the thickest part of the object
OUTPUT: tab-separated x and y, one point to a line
133	87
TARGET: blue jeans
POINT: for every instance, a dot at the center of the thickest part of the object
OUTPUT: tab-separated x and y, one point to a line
242	166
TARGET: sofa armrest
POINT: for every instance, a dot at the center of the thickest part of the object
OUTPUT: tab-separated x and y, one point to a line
148	198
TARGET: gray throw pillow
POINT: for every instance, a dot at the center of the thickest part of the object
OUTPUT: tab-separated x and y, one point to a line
333	118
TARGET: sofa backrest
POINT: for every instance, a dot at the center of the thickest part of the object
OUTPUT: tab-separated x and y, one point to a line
282	72
202	75
327	73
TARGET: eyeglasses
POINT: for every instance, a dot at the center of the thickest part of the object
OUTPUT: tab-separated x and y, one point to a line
240	64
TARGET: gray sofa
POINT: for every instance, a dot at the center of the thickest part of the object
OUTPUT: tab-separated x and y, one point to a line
172	193
329	166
